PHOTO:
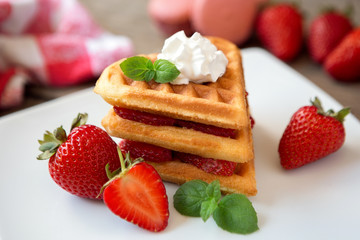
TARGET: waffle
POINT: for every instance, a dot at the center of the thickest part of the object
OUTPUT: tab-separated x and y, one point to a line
179	139
190	141
242	181
220	104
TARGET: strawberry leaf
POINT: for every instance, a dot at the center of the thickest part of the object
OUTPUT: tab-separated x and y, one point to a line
60	134
317	103
80	119
340	115
52	141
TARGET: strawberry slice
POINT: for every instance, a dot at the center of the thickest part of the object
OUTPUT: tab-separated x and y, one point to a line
157	120
146	151
144	117
252	122
217	131
138	195
209	165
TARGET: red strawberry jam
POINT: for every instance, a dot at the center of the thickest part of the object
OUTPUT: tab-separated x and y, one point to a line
217	131
144	117
157	120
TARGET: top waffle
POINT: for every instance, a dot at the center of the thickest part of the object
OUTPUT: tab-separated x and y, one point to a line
220	104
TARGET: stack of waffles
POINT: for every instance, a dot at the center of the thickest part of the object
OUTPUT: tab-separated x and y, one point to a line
222	104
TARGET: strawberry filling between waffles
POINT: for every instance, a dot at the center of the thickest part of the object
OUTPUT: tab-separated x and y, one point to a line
157	120
154	153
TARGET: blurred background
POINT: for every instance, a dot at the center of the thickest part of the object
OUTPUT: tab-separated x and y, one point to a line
132	19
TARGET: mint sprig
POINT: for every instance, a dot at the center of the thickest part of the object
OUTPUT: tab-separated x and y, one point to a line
142	69
233	213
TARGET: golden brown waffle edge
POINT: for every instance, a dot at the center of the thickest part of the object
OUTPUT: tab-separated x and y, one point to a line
242	181
220	104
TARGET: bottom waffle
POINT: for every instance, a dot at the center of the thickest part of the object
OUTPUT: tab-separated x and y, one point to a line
242	181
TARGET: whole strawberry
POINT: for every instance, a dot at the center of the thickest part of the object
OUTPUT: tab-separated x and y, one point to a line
280	29
326	32
311	134
77	162
343	63
137	194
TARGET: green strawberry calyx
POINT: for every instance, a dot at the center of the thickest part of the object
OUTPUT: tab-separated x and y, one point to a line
340	115
125	165
52	141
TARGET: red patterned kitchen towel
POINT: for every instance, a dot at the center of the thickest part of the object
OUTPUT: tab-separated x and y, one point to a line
54	43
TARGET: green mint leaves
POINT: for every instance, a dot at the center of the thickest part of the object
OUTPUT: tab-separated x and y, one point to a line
233	213
142	69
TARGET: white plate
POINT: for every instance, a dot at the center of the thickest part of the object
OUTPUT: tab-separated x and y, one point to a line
317	201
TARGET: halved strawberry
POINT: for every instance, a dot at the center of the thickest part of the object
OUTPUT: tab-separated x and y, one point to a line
138	195
209	165
144	117
146	151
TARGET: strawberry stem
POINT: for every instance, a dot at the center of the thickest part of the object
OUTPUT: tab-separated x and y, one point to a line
52	141
318	105
122	164
125	165
80	119
340	115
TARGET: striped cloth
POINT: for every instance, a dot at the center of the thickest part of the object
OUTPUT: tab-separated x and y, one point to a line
53	43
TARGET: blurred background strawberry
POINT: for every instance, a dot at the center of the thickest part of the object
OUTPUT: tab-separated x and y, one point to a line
325	33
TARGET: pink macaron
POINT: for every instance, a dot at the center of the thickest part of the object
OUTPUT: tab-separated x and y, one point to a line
171	16
230	19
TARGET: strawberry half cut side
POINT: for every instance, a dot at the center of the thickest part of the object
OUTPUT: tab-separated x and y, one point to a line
138	195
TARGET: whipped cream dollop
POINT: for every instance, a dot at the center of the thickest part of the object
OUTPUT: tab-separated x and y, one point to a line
197	59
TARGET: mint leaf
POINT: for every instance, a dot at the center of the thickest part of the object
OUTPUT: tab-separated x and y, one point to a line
236	214
142	69
213	195
138	68
165	71
207	208
213	190
189	197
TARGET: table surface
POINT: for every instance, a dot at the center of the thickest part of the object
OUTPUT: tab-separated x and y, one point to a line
130	18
